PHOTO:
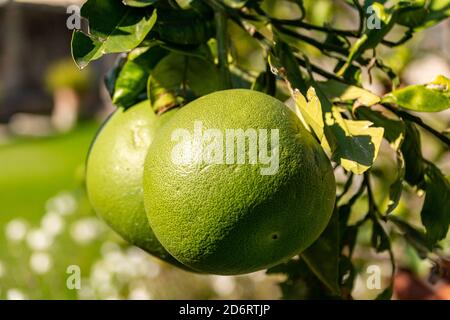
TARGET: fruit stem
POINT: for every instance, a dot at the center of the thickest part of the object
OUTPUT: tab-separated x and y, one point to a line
222	48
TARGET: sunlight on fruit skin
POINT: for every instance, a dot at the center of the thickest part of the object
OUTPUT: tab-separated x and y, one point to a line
114	175
230	219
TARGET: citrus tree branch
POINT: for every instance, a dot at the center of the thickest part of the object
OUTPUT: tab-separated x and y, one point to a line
307	26
347	185
317	44
407	36
320	71
301	24
372	205
407	116
360	9
301	6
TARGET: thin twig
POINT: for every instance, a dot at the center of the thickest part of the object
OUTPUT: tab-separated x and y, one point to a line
320	71
407	116
407	36
299	23
235	17
372	204
317	44
347	186
361	16
307	26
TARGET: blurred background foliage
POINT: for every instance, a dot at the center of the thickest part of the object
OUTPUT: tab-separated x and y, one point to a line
49	114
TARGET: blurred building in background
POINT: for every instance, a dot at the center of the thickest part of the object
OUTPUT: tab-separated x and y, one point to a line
37	76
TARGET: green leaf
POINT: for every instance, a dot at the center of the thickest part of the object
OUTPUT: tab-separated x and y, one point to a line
394	130
201	51
132	78
179	78
353	144
113	28
438	11
435	213
315	275
301	282
412	154
358	142
373	33
340	92
386	294
433	97
113	73
348	234
394	133
416	238
425	14
185	27
310	111
380	240
396	188
415	16
284	64
139	3
265	82
322	256
84	49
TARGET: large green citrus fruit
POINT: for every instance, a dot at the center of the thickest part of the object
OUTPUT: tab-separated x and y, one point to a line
236	218
114	175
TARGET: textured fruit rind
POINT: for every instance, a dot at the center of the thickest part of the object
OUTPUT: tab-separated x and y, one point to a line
230	219
114	175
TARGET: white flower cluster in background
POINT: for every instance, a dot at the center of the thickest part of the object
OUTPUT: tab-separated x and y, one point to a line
40	239
130	273
108	270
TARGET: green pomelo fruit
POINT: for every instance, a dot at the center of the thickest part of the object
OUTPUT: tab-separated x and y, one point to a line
114	175
229	218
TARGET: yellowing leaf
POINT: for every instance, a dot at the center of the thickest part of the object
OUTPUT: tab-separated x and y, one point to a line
340	92
354	144
311	110
432	97
359	147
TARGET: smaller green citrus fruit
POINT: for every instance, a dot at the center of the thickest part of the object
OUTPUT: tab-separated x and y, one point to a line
114	175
